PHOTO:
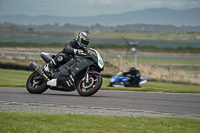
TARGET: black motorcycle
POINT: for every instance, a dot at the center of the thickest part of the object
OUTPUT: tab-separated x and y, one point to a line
84	74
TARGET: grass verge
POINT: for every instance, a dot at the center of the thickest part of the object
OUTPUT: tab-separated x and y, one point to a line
17	78
13	78
61	123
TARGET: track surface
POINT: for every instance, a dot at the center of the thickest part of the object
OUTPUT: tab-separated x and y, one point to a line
177	103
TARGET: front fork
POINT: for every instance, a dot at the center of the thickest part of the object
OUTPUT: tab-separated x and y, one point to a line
87	76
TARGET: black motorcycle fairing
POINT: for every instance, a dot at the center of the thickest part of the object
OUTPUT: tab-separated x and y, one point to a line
74	70
69	72
64	70
65	83
80	64
94	57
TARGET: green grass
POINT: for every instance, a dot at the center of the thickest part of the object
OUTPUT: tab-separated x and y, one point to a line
171	87
13	78
17	78
65	123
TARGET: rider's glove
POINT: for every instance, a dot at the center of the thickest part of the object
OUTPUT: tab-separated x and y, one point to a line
78	52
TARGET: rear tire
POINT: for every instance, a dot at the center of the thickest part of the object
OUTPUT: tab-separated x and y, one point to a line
96	83
36	88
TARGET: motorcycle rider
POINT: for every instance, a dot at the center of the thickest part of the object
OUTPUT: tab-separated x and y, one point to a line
76	46
134	76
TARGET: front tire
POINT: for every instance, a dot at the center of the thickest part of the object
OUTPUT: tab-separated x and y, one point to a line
92	88
34	88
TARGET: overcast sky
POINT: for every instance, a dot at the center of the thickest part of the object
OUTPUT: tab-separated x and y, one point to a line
88	7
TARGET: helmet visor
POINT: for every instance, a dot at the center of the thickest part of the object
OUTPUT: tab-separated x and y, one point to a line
83	43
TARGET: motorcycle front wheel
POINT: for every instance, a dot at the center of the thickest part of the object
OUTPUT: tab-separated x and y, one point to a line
36	87
88	89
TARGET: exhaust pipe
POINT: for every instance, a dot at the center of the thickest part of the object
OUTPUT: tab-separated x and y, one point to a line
38	70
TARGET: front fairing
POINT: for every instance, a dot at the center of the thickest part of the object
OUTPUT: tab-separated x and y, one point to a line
97	58
118	78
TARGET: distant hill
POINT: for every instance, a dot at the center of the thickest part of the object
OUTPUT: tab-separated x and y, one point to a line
162	16
11	28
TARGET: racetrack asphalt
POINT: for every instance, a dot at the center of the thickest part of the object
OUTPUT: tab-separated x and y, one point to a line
130	103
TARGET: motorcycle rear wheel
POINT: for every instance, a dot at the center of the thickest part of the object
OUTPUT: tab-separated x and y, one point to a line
94	85
38	88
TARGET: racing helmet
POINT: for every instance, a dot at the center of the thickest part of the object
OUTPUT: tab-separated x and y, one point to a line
82	39
132	69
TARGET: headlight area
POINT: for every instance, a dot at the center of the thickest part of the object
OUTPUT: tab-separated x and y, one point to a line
112	80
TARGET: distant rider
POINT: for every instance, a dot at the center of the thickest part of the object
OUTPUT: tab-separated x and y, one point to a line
134	76
76	46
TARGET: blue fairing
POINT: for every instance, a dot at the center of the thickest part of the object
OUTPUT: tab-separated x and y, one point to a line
117	78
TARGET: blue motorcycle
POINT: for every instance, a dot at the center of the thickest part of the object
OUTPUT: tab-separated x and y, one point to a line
119	80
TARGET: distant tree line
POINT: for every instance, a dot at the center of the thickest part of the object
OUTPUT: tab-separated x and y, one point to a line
146	48
99	28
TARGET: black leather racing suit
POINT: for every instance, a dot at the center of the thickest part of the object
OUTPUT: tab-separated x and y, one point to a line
134	76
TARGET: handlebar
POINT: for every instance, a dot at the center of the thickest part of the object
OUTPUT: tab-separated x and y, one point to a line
88	54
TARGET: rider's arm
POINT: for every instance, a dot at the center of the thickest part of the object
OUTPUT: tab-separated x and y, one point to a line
68	48
125	73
